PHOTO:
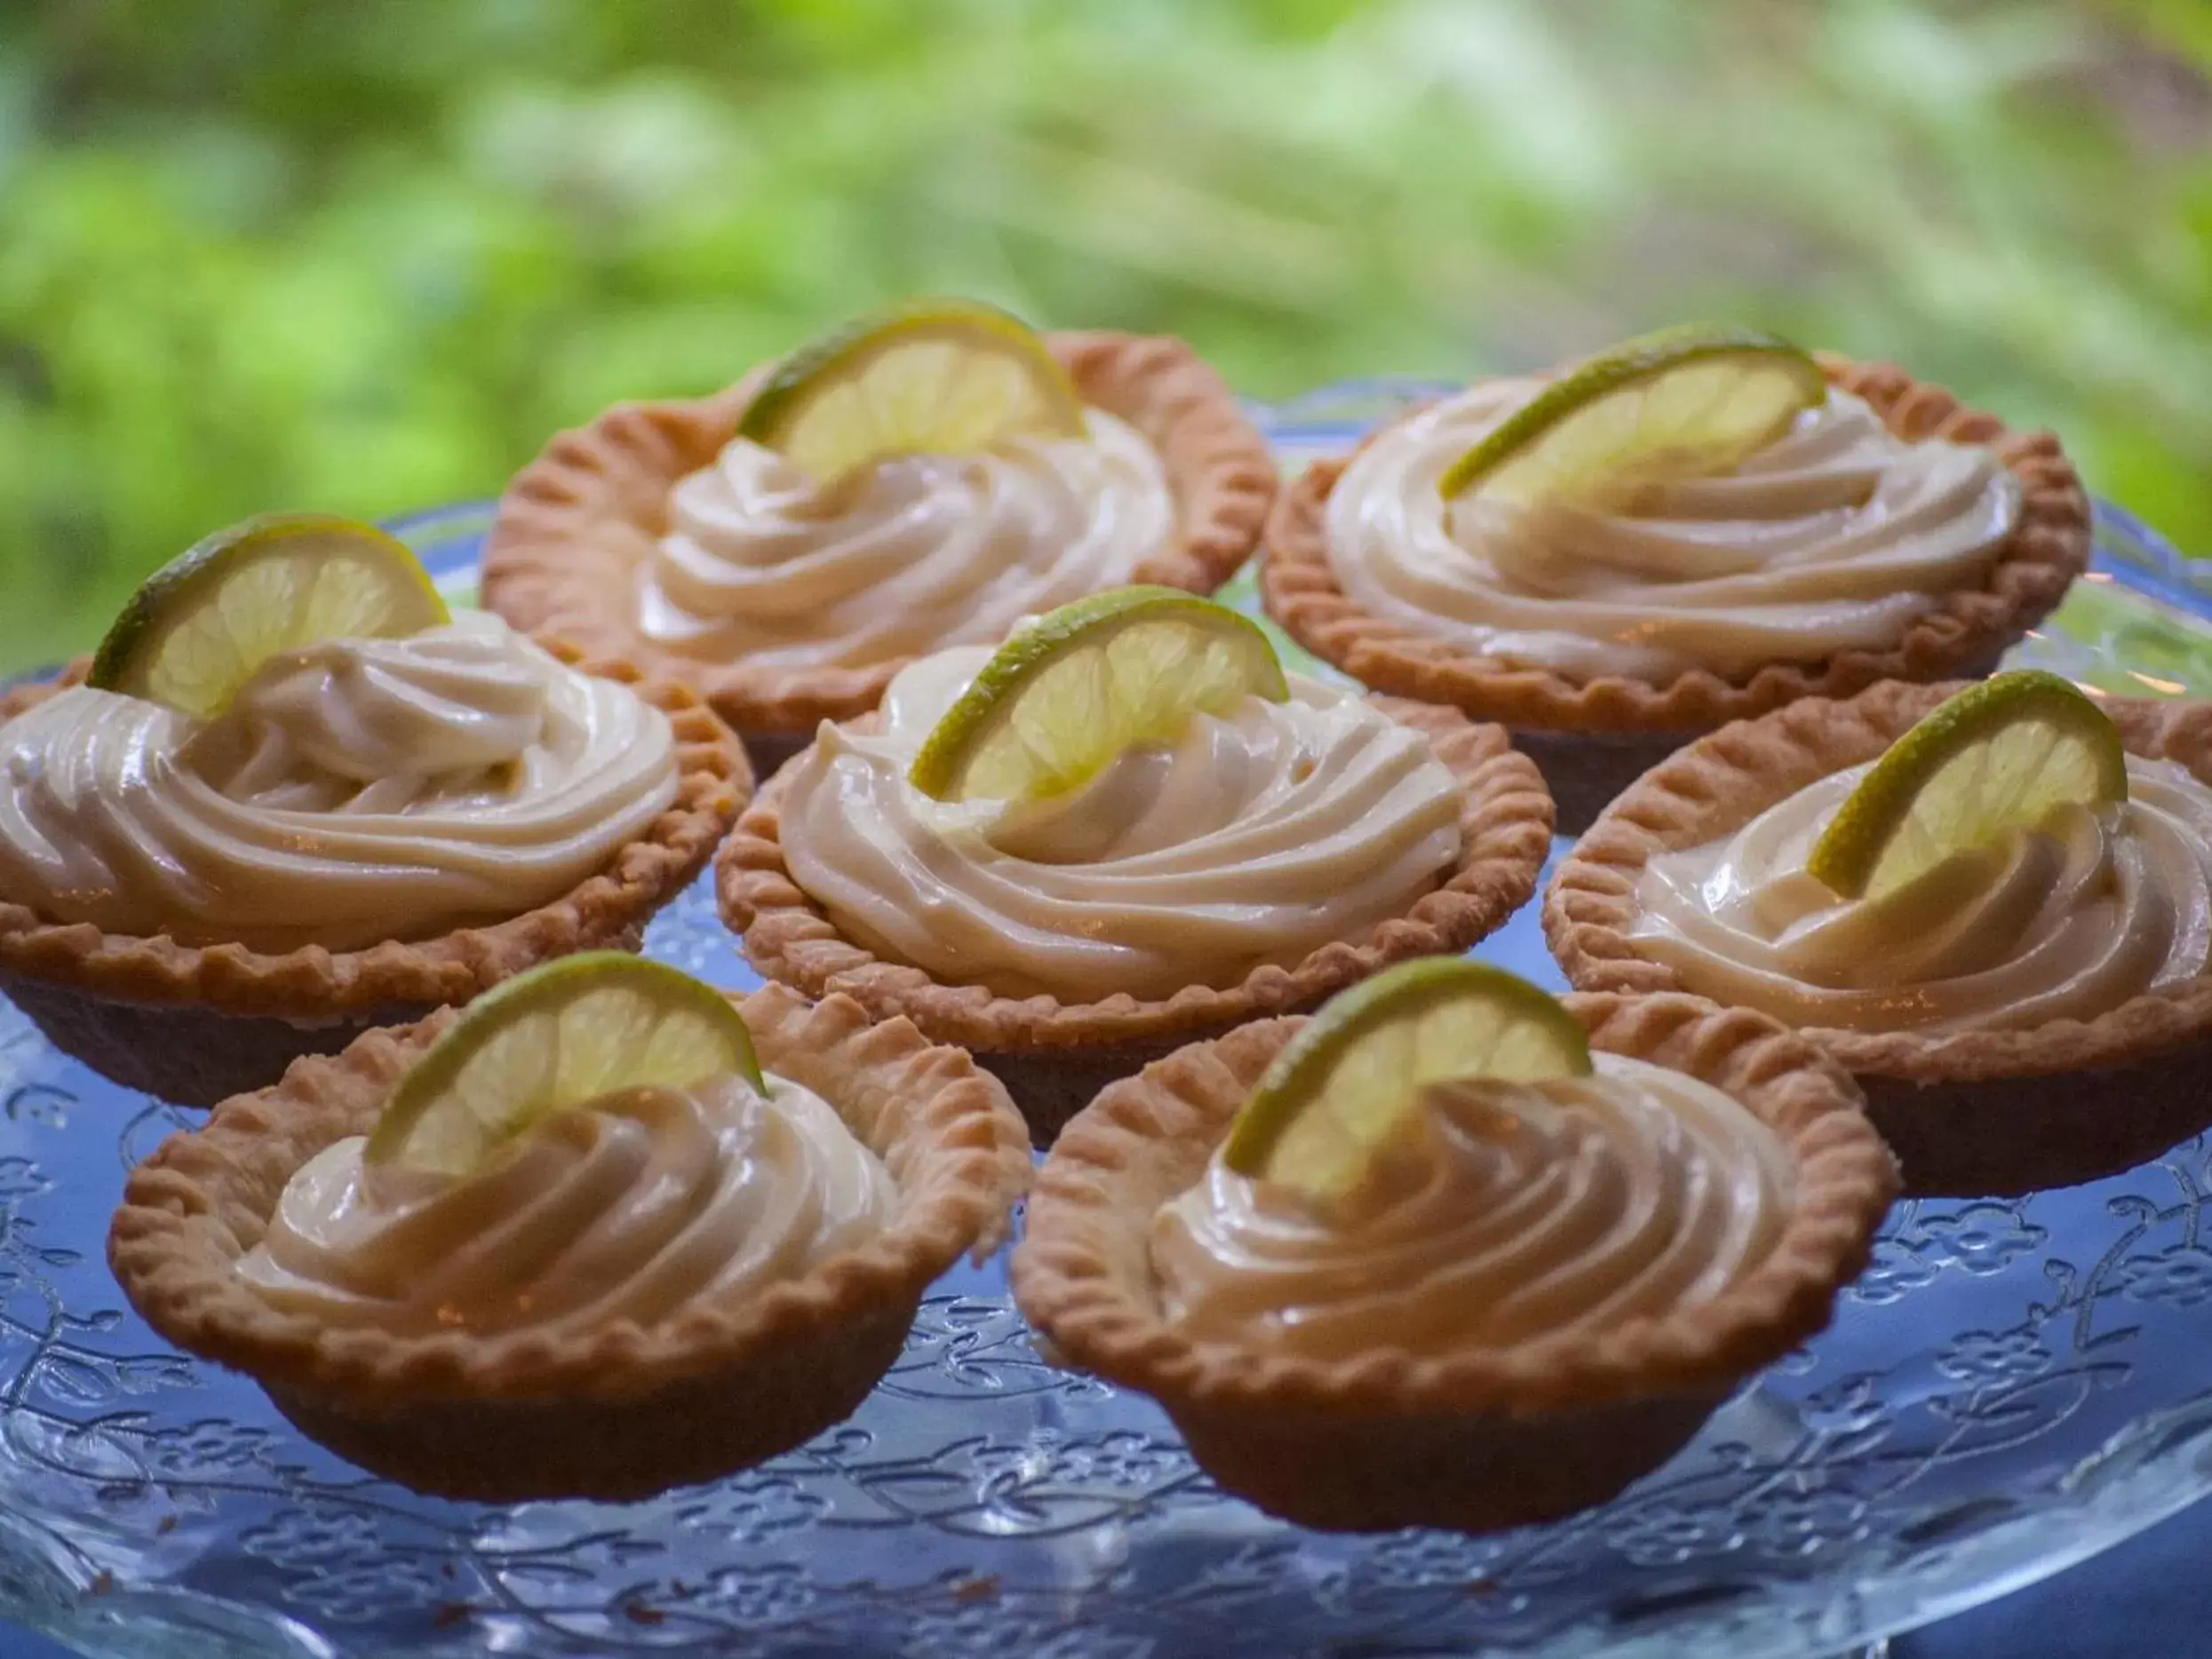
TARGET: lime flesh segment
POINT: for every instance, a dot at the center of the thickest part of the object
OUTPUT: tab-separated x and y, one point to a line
2000	755
555	1039
1684	402
1081	684
1344	1083
201	625
937	376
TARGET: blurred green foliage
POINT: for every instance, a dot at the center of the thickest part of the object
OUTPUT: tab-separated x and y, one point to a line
366	257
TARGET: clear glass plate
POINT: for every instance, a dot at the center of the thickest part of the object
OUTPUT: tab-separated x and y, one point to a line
2013	1386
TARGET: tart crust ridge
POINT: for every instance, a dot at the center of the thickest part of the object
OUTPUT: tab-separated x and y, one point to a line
1505	832
607	909
1083	1276
1720	782
575	524
958	1152
1965	631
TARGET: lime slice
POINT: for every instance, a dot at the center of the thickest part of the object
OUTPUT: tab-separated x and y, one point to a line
1681	403
2000	755
937	376
1344	1083
199	628
1078	686
552	1039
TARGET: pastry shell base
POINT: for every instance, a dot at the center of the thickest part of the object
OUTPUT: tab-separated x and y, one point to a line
1593	736
1054	1055
1476	1439
615	1413
1969	1113
576	524
197	1024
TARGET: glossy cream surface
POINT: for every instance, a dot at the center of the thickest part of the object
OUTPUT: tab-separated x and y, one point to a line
762	562
1256	838
1834	536
354	791
2067	921
632	1208
1505	1213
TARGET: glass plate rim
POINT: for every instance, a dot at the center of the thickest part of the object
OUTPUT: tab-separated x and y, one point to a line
2113	1490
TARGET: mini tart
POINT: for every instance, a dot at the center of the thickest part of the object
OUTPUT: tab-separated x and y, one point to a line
1054	1056
575	524
1485	1437
1973	1112
616	1413
1594	737
196	1024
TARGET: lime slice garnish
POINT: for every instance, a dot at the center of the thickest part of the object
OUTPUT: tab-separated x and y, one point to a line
1340	1087
1079	685
2000	755
937	377
200	627
1683	402
555	1039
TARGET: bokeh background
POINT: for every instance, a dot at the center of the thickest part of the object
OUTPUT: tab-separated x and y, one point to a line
365	257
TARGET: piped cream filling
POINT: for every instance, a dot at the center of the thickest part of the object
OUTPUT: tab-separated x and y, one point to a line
632	1208
762	563
356	791
1257	837
1506	1214
1835	537
2065	921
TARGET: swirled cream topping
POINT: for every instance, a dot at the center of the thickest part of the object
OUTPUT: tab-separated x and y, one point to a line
2068	920
1255	838
1503	1213
631	1207
1836	536
762	562
353	791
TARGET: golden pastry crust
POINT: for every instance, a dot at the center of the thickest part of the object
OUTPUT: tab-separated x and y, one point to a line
310	983
1082	1277
575	524
946	1130
1964	633
1723	781
1505	832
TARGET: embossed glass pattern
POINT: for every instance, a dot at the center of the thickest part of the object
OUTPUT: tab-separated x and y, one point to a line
2013	1386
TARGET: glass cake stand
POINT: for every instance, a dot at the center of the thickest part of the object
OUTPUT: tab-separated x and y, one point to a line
2012	1387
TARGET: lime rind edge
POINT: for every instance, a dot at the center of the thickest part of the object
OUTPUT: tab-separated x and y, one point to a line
763	418
1611	370
940	763
1408	988
435	1070
1847	853
136	633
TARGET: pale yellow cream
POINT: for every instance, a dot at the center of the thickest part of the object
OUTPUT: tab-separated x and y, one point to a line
357	791
1834	536
2065	922
1255	838
632	1208
1505	1213
763	563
